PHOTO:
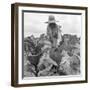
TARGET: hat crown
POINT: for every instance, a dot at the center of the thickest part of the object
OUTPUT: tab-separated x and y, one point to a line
51	17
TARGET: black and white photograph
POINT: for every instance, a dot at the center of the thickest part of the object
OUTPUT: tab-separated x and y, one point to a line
50	44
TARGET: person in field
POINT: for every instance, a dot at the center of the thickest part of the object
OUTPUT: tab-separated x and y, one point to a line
53	31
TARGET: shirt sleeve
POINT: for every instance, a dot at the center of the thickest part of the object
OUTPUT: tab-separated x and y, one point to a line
49	34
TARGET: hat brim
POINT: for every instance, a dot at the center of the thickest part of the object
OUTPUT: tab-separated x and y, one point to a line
51	21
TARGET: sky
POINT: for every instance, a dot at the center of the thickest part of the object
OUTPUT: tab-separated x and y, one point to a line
34	23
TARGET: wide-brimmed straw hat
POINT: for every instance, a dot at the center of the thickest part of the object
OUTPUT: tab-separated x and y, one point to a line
51	19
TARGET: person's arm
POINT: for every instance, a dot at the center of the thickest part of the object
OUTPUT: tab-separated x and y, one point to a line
59	35
49	34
